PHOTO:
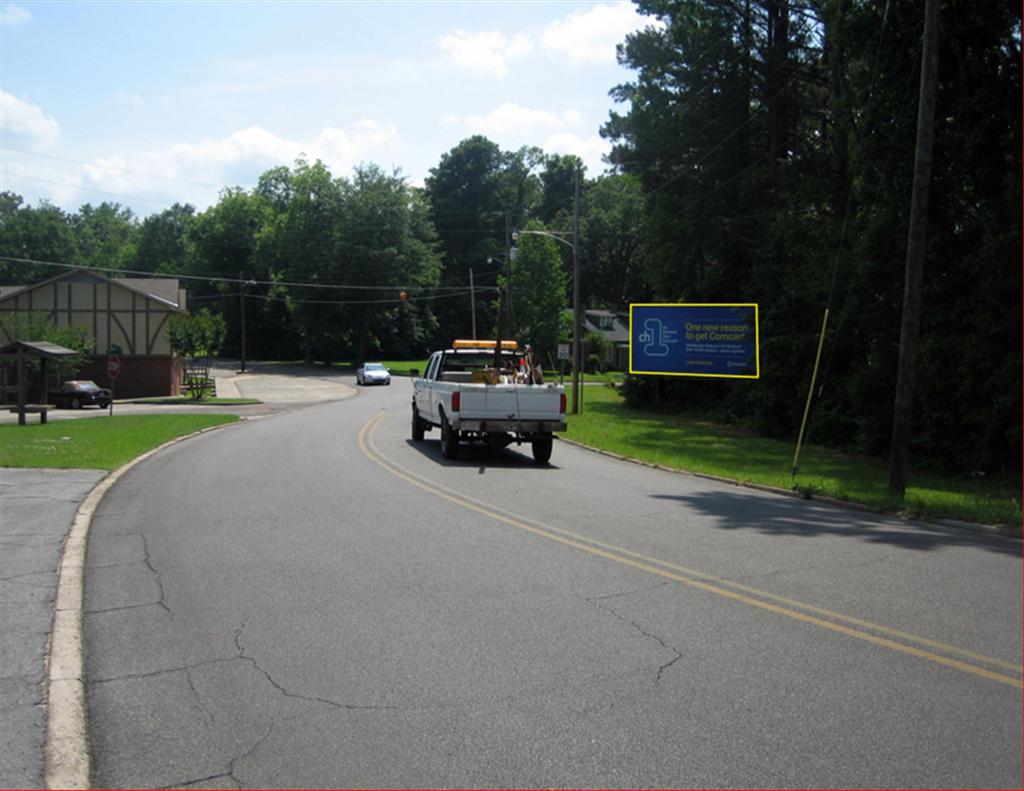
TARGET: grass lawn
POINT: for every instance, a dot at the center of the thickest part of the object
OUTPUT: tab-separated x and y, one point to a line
210	401
699	445
102	443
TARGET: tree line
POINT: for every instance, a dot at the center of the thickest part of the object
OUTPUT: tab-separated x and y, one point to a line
762	153
774	141
351	267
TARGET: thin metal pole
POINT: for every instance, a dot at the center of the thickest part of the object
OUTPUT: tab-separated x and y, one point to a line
810	394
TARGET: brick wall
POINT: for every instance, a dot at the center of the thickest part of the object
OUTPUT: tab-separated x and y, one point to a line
140	376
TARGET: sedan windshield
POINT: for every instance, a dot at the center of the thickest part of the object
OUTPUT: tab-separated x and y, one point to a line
374	367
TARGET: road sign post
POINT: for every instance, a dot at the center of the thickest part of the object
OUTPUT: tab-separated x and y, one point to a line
113	370
563	355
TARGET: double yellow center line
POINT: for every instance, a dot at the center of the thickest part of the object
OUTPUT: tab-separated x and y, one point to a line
876	634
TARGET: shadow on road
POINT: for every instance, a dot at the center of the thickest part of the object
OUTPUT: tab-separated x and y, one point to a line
482	456
779	516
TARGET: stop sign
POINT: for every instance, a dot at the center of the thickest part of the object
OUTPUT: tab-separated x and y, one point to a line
113	366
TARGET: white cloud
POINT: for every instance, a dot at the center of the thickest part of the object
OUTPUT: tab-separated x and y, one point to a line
487	52
515	121
590	149
511	124
591	36
13	15
26	123
196	171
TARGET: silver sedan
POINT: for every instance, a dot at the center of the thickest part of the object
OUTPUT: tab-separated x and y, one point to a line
373	374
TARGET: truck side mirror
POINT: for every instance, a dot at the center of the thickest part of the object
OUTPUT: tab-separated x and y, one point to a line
414	373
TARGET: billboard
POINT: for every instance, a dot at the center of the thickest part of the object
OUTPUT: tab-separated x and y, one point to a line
703	339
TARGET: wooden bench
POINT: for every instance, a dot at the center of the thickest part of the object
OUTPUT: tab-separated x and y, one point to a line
207	383
29	409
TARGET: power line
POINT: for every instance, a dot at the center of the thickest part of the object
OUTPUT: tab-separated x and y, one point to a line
243	281
110	167
84	189
392	301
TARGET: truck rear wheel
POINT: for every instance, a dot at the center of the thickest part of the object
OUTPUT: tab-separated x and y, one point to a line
417	426
542	449
449	440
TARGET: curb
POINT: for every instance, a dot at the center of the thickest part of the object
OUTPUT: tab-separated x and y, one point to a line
991	530
66	759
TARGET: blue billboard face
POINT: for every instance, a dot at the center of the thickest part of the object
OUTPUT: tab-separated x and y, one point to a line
694	340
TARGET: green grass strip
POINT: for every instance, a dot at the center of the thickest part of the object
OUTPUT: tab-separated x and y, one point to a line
100	443
696	444
186	401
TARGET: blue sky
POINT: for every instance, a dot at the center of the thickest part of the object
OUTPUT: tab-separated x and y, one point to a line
151	103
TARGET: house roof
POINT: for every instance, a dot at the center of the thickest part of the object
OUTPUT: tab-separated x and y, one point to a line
163	290
617	333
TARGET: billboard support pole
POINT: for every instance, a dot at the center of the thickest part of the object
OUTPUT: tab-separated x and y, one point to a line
810	395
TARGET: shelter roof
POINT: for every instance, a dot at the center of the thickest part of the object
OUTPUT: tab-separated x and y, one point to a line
38	349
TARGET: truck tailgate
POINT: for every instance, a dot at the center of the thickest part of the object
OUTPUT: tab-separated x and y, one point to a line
525	402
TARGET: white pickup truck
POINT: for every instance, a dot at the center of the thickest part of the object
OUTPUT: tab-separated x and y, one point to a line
468	397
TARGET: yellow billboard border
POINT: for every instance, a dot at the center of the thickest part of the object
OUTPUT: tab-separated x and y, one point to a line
757	337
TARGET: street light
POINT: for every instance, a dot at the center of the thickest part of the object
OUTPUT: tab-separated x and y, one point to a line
577	315
241	306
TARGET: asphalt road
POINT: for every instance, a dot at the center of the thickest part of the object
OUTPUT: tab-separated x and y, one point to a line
313	600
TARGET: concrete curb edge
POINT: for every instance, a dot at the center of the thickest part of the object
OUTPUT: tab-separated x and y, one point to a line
954	524
67	762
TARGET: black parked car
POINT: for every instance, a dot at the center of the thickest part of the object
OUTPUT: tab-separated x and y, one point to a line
76	394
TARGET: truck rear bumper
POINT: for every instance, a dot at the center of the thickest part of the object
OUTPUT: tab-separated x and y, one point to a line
516	426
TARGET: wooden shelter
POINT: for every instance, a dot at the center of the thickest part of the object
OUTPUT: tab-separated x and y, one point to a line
44	351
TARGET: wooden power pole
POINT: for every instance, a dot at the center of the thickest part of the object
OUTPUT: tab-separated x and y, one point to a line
917	240
577	313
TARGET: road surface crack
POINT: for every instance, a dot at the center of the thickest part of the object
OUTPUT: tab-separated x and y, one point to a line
645	589
203	782
234	761
162	672
22	579
156	574
309	698
199	699
662	668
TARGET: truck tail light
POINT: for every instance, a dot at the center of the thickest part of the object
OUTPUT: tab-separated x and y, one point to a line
456	399
561	404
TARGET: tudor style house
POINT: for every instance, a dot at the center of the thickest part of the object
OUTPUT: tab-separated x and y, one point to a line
127	315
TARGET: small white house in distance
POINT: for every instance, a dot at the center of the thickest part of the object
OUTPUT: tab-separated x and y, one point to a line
130	314
614	327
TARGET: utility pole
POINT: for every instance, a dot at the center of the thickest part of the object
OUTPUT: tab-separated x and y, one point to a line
506	293
472	301
917	238
241	304
577	317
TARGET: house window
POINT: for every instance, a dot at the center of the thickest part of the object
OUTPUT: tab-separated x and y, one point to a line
606	322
